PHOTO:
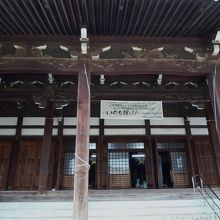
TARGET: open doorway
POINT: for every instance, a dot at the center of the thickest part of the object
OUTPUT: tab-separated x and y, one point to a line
92	170
165	170
137	170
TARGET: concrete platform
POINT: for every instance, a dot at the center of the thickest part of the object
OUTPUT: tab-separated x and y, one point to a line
102	195
164	204
108	210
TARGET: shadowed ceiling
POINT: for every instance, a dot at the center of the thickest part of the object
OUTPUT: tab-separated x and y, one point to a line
150	18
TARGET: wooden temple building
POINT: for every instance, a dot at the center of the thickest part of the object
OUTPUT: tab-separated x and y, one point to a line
60	58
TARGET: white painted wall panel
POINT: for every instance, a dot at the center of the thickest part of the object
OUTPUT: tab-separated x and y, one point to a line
32	132
33	121
168	121
123	122
8	120
7	132
70	121
94	121
94	132
199	131
56	121
55	132
69	131
168	131
197	120
128	131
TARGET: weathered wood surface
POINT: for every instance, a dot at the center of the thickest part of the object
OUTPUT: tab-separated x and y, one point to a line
82	144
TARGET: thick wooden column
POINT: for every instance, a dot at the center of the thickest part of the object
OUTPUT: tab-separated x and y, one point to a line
14	155
214	90
45	150
59	158
213	136
82	144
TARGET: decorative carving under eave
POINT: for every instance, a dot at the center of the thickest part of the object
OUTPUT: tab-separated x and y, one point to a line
58	64
28	52
183	97
144	54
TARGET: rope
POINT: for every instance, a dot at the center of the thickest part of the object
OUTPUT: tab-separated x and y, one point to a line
87	80
84	162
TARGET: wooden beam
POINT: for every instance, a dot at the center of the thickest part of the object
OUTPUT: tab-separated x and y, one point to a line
105	40
68	66
151	66
14	154
82	143
45	150
163	93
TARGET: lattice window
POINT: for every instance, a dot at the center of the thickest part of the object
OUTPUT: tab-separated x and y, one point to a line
138	145
166	145
177	145
179	162
69	159
69	164
92	146
116	146
162	145
131	145
118	163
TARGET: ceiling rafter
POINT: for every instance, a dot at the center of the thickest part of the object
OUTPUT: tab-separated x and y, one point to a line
6	16
32	9
24	18
149	18
212	16
61	20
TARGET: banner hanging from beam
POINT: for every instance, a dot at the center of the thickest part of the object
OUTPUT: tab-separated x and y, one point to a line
131	109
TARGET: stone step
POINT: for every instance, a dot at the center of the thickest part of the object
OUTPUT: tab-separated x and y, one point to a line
99	195
109	210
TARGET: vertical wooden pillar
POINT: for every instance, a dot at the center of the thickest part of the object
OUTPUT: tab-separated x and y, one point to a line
82	143
103	158
98	164
190	150
155	164
14	155
99	155
104	165
213	136
58	165
45	150
149	165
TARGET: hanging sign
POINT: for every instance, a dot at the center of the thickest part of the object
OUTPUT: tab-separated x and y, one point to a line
131	109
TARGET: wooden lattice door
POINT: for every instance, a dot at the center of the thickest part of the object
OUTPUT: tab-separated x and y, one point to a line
27	172
205	161
5	152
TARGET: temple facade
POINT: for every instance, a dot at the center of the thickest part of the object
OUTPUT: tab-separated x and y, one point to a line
60	59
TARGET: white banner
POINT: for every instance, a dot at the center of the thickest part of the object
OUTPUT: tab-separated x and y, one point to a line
131	109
